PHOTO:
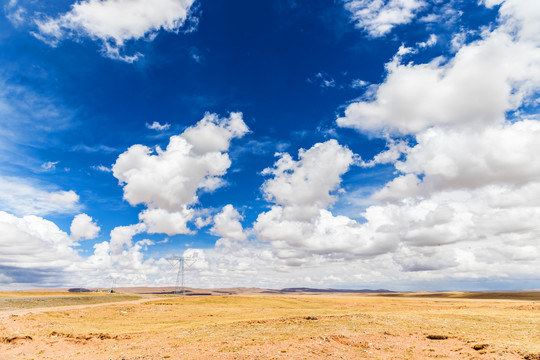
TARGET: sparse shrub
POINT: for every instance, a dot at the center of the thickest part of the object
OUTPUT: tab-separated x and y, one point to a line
437	337
479	347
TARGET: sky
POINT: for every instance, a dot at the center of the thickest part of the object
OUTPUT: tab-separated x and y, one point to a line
281	143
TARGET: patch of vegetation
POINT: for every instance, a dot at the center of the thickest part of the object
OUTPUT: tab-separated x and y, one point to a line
479	347
437	337
48	301
10	339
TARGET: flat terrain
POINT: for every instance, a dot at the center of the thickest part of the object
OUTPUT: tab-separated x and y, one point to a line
277	326
20	303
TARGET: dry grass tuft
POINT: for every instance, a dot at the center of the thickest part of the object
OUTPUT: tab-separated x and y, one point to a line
437	337
9	340
479	347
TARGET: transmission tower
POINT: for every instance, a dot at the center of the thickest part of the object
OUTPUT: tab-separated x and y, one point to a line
183	262
113	283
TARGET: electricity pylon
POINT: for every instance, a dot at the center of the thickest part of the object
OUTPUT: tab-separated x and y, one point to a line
113	283
183	263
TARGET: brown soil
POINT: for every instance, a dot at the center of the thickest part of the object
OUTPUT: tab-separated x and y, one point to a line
326	346
272	327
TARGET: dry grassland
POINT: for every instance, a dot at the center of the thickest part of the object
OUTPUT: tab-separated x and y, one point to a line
280	327
34	301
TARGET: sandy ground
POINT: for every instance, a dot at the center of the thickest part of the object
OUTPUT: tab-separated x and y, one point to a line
31	334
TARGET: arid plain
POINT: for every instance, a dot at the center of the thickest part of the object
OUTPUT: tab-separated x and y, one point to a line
252	324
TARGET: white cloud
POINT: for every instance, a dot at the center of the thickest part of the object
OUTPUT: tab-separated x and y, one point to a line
519	18
429	42
24	198
114	22
34	250
101	168
464	201
167	181
500	72
66	198
100	148
358	83
157	126
299	224
390	156
303	187
49	165
213	134
15	14
228	226
197	259
379	17
450	159
121	237
163	221
324	80
32	241
83	227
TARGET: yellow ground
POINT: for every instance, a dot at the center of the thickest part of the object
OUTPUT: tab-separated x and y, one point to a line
277	326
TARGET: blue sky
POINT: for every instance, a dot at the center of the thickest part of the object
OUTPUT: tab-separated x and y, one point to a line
286	143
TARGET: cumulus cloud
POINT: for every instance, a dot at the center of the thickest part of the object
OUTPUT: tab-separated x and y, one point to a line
114	22
379	17
213	134
395	150
163	221
22	236
121	237
24	198
465	197
299	186
167	181
83	227
450	159
35	250
228	226
500	72
466	190
300	224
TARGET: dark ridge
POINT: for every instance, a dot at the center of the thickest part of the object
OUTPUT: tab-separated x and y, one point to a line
349	291
199	294
79	290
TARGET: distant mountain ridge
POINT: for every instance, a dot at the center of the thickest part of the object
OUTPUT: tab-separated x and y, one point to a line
352	291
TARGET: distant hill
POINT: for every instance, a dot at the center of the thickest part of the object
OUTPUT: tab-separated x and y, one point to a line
348	291
248	291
